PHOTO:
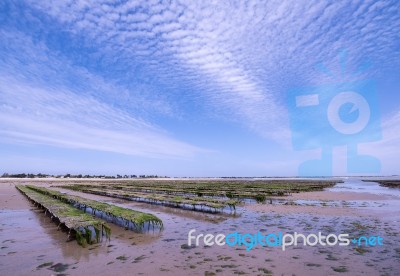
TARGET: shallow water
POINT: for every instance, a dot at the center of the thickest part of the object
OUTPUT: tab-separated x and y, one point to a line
357	185
390	207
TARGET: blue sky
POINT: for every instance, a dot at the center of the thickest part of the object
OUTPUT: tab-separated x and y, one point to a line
185	88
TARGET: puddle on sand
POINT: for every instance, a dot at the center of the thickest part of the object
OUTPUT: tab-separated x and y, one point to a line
389	207
358	186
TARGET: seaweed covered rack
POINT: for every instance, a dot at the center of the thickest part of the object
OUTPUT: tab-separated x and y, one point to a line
77	214
79	224
130	219
213	196
201	204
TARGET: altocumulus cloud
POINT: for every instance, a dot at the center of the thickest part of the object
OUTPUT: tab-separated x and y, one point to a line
235	58
46	100
241	55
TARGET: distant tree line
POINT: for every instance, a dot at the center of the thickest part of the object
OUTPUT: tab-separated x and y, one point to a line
68	175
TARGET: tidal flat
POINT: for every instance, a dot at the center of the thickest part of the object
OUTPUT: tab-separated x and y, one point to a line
31	243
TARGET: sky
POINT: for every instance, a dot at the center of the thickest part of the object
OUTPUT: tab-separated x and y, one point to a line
200	88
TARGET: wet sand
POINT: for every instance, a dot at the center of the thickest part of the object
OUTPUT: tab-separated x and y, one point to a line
324	203
31	243
330	195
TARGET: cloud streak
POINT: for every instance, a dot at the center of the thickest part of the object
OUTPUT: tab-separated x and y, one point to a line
47	100
387	148
46	116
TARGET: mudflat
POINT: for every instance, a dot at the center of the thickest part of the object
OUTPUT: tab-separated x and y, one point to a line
32	244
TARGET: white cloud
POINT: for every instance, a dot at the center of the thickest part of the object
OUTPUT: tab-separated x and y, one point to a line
198	38
55	117
241	56
387	149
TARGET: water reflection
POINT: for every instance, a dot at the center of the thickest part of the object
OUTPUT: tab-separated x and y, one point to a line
357	185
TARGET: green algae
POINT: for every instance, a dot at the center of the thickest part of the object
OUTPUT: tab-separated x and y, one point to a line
138	219
216	205
76	221
229	188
